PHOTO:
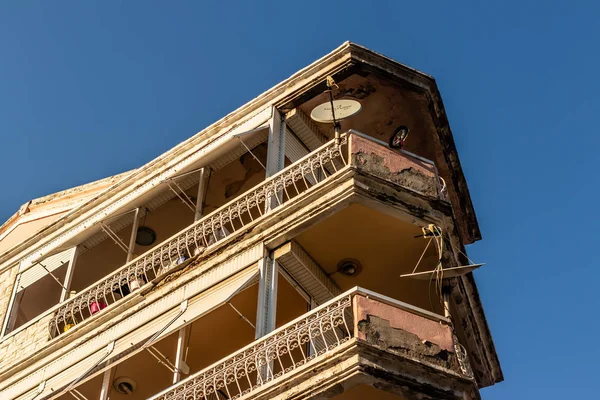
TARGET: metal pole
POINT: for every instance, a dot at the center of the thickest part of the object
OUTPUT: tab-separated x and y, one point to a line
275	154
267	296
107	383
201	194
134	229
276	143
69	276
336	125
179	357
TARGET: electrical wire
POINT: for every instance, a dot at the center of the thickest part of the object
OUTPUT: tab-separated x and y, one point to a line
422	255
437	275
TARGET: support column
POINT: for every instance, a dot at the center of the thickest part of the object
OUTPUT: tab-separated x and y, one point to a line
267	295
64	295
202	189
275	154
107	380
276	143
134	228
180	365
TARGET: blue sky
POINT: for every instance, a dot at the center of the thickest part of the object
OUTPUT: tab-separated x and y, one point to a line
91	89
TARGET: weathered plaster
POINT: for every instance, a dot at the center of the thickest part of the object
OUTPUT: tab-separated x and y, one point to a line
393	166
425	330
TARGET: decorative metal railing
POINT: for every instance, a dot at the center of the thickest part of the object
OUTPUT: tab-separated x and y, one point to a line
463	358
206	232
289	347
276	354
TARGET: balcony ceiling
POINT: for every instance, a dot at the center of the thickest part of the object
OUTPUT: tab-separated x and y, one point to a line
385	246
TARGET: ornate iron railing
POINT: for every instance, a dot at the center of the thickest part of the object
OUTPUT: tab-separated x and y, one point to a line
206	232
463	359
280	352
288	348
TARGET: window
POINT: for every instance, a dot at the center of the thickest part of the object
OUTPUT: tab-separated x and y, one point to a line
38	288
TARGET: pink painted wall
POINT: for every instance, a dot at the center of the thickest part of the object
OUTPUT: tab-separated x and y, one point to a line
426	329
394	160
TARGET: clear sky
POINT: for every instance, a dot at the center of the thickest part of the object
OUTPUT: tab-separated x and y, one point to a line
91	89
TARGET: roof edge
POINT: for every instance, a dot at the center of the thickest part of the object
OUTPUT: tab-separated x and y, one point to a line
33	206
201	139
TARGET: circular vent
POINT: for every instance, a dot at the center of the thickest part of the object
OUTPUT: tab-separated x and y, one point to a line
125	385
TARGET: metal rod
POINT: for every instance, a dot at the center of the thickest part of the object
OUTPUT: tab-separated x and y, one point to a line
134	228
184	194
241	316
251	153
187	201
118	215
180	354
114	237
161	358
184	174
69	275
52	275
336	124
267	296
107	383
77	394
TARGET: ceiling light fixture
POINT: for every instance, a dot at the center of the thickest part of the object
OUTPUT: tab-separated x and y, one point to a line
125	385
145	236
349	267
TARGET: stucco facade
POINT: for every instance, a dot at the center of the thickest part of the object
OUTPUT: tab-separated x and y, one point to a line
261	258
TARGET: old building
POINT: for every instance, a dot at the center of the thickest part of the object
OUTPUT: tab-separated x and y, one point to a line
261	258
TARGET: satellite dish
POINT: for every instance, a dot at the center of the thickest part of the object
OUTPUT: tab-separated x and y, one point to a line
343	109
448	272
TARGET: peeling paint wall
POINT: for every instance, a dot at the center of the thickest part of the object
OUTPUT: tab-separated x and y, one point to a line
401	332
393	166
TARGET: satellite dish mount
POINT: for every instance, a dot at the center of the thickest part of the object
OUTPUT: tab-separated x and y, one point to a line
326	112
336	124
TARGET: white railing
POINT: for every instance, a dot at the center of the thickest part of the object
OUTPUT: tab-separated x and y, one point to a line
286	349
206	232
280	352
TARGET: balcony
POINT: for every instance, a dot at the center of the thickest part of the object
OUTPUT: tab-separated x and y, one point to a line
353	150
256	216
359	337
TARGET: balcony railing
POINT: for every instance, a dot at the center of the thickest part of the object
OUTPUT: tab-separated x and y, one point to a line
291	346
276	190
205	233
